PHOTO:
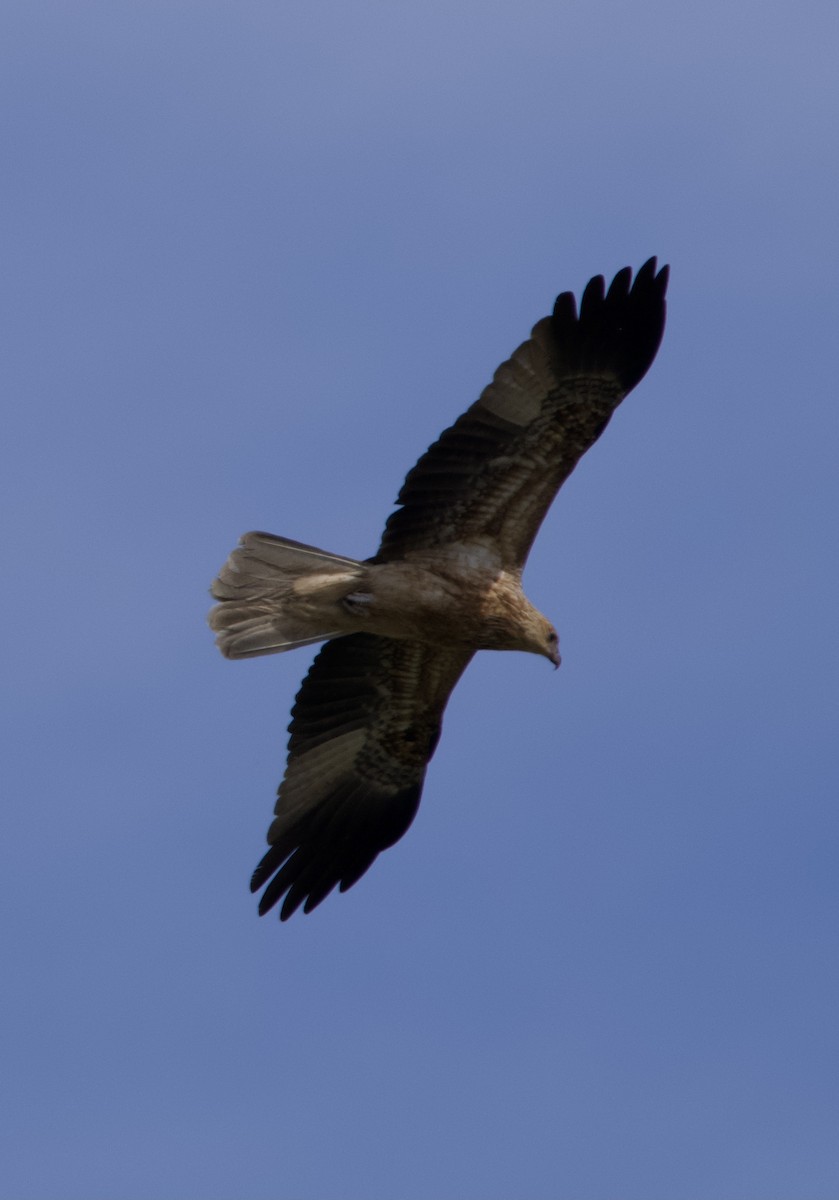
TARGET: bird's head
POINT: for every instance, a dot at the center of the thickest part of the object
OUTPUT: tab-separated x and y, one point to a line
541	637
550	644
516	624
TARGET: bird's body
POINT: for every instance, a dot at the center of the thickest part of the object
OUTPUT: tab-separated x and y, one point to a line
402	626
462	598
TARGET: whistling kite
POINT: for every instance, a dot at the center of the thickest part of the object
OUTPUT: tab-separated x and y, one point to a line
401	627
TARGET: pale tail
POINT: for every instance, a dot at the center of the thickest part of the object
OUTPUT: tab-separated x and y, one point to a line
277	594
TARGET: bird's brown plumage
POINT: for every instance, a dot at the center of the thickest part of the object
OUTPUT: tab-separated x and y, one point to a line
445	582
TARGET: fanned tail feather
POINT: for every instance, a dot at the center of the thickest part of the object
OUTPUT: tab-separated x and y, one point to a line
276	594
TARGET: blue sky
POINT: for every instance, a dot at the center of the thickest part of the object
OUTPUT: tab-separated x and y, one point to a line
255	257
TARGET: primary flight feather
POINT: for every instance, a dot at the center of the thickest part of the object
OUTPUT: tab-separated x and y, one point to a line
400	628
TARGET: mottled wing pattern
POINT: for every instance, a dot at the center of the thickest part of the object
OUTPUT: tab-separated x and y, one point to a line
495	472
364	726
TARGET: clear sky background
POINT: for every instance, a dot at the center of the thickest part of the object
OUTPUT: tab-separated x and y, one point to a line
255	256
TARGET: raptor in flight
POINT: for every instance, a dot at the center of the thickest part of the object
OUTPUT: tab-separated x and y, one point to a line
401	627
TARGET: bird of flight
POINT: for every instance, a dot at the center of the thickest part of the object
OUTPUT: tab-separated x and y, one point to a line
401	627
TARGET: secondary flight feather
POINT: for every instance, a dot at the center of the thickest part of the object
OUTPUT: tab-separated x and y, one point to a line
401	627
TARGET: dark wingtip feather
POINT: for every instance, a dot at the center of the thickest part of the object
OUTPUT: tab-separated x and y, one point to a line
333	848
592	298
565	309
618	330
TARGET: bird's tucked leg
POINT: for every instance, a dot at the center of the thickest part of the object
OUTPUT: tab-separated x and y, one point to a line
358	604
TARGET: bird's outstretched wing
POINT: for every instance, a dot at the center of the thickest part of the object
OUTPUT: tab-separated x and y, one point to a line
492	476
364	725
